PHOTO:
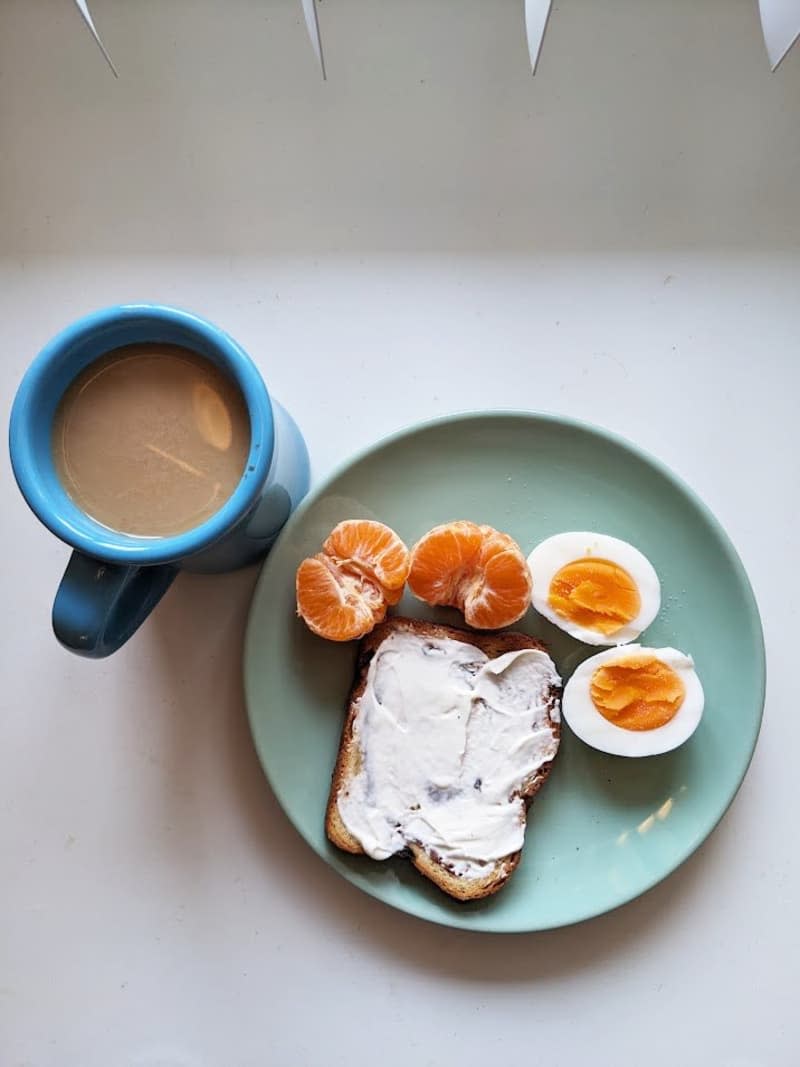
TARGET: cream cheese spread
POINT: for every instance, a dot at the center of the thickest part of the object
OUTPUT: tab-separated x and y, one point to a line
448	738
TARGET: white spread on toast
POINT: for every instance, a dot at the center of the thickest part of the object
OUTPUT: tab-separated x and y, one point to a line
448	738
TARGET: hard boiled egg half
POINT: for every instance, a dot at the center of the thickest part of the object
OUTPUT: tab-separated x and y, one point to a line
597	588
634	701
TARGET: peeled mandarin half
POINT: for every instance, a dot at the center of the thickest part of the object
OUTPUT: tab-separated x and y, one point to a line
343	592
477	569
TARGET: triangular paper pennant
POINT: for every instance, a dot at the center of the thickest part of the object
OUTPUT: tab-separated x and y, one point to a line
780	21
83	7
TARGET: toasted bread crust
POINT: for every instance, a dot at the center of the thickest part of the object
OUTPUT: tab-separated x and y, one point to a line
348	761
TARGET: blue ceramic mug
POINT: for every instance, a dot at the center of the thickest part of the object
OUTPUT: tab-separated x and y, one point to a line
114	580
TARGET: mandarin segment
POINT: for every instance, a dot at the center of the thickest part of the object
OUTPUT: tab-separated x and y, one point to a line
372	548
474	568
393	596
494	541
443	559
504	592
343	592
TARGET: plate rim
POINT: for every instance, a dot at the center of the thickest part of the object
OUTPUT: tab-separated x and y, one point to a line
412	429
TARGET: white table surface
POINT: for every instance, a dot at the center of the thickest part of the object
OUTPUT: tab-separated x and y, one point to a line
618	239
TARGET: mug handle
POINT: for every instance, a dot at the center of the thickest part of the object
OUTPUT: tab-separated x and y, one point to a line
99	605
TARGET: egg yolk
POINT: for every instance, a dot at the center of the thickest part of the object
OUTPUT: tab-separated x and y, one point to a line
637	693
596	594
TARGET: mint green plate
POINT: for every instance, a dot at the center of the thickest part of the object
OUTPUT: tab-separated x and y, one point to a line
605	828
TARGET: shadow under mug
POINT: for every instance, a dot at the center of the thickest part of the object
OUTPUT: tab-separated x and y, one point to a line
114	580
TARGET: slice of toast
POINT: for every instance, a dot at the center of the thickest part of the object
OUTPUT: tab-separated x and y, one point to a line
349	762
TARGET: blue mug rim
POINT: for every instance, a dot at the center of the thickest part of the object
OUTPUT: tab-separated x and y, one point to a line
107	544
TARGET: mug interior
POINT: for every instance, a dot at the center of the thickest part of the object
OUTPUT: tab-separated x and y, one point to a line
54	370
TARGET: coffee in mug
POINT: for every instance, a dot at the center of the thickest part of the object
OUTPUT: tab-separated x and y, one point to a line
151	439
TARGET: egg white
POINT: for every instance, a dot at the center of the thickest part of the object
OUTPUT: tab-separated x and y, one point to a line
594	729
557	551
